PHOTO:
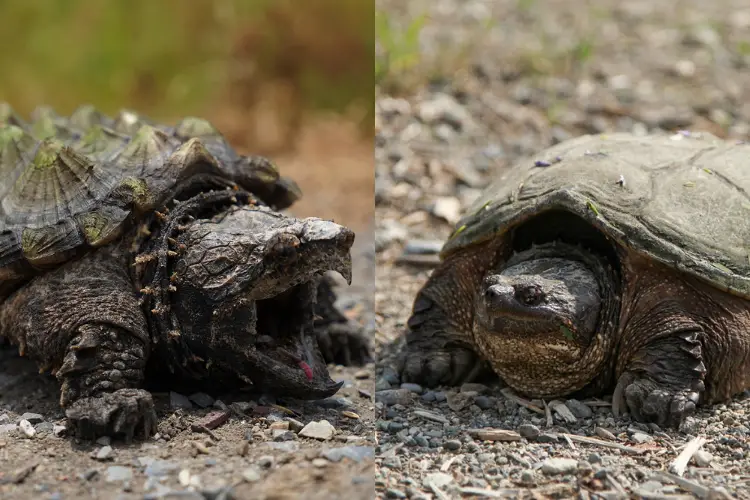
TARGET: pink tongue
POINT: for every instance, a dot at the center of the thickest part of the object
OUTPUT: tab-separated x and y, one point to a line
307	369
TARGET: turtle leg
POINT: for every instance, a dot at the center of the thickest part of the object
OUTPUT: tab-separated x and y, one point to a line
440	348
663	380
83	322
341	340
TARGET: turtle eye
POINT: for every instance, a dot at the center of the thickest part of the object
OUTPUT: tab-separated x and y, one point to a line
530	295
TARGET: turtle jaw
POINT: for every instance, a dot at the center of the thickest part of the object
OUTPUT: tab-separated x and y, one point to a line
286	359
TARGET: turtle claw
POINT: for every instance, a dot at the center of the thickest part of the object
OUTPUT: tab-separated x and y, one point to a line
650	401
126	412
444	366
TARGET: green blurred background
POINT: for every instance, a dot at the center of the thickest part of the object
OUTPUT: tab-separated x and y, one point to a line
231	61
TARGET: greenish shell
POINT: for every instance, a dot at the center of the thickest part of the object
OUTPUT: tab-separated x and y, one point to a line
682	200
72	183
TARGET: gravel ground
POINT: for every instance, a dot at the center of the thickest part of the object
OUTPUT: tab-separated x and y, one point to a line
534	74
253	449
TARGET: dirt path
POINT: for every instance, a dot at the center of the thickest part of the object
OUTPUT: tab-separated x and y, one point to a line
531	74
259	452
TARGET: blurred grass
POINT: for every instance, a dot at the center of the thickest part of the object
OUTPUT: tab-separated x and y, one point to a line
401	64
170	58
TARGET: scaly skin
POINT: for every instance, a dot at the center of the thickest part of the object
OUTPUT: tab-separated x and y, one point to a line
241	288
663	341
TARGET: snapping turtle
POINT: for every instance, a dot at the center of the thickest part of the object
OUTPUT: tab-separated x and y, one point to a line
604	262
130	248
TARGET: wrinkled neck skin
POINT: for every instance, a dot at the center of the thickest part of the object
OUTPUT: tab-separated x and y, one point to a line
236	296
546	320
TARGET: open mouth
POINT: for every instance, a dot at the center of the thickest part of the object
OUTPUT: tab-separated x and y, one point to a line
286	358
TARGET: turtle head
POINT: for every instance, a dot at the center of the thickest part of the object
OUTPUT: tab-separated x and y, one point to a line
540	311
246	284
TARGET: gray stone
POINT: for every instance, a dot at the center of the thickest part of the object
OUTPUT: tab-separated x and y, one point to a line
356	453
285	446
553	466
177	401
484	402
391	397
118	473
415	388
474	387
104	453
579	409
390	375
382	385
159	468
703	458
334	402
33	418
438	479
45	427
452	445
641	437
202	399
529	431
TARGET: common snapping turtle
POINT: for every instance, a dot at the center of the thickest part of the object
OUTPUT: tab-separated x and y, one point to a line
129	248
603	262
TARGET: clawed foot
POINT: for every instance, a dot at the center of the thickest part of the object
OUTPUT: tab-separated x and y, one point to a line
126	412
444	366
344	344
650	401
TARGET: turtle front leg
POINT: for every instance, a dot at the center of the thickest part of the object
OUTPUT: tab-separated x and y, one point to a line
663	381
440	347
102	368
83	322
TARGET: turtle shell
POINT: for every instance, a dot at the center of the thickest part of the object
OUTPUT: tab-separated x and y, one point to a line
682	200
68	184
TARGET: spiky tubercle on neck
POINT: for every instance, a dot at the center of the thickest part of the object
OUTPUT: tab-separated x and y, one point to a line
154	248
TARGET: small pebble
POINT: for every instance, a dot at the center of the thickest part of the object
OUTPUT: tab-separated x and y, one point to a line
452	445
104	453
251	474
322	430
553	466
27	428
529	431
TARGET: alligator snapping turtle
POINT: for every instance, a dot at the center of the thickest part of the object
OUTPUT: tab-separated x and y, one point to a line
605	261
129	248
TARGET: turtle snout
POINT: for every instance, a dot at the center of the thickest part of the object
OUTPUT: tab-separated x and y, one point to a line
499	295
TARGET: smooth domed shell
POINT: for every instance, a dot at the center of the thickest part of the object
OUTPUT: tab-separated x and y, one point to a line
72	183
682	200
